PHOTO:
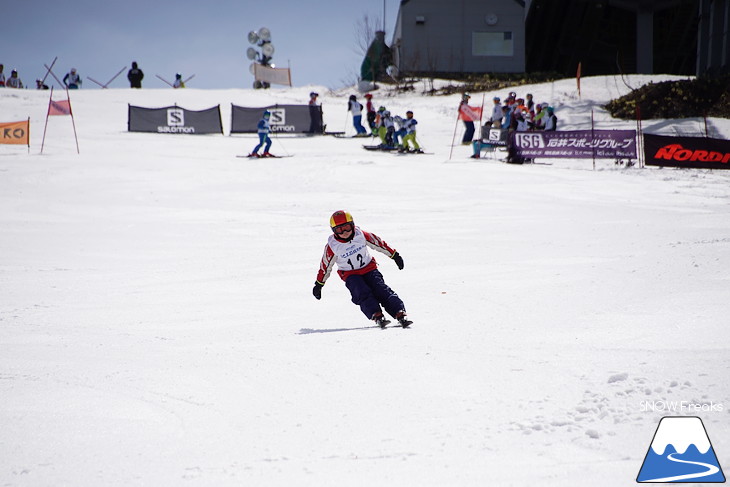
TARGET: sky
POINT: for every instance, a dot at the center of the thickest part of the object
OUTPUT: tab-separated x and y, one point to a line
317	39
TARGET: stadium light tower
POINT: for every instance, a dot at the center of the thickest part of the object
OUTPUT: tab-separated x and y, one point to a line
262	39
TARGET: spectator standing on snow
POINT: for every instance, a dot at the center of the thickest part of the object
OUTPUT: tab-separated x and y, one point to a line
348	248
178	83
496	111
370	109
135	76
551	121
355	107
72	80
315	115
468	114
13	81
2	76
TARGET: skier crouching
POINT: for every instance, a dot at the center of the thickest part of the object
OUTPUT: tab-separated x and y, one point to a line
348	247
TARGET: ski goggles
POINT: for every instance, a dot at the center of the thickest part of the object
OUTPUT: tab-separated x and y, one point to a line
344	228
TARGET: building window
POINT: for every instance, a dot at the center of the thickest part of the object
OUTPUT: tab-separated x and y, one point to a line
492	44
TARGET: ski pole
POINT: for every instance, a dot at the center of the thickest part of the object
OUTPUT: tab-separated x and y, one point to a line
278	141
456	125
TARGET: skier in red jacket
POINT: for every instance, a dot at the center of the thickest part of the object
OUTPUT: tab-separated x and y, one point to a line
348	247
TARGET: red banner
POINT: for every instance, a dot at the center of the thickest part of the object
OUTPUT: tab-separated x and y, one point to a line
469	113
62	107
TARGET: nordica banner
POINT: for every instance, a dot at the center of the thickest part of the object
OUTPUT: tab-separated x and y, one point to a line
289	119
698	152
577	144
175	120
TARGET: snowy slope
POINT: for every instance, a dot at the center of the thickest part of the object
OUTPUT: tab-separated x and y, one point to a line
157	325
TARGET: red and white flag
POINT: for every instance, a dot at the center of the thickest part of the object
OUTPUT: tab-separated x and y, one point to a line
469	113
62	107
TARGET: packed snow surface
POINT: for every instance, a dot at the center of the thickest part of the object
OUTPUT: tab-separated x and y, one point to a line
157	325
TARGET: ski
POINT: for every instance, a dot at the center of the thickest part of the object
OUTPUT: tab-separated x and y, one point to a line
380	148
402	153
263	157
406	325
343	136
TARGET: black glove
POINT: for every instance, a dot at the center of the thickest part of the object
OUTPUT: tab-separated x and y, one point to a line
317	291
398	260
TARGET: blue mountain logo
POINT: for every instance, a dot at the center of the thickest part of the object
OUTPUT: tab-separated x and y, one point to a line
681	452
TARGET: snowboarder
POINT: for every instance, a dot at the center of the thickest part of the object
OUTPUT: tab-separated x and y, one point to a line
264	128
348	247
355	107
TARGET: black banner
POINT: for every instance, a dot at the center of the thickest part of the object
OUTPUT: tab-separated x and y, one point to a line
697	152
287	119
175	120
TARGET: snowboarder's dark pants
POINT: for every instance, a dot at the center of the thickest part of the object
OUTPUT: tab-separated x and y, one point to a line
369	291
469	133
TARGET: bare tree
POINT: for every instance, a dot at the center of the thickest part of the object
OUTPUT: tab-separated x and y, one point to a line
365	30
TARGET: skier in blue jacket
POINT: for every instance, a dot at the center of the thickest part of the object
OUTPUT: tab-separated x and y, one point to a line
264	140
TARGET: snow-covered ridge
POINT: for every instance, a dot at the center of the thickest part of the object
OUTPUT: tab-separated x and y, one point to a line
681	433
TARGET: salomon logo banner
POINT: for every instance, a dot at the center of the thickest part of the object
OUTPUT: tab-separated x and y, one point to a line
288	119
175	120
681	452
698	152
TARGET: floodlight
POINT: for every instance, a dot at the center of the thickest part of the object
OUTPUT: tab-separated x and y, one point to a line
264	34
268	49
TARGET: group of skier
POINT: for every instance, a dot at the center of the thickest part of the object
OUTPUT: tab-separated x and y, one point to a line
394	132
515	115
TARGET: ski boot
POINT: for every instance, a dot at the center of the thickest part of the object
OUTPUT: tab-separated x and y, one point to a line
254	154
403	319
267	154
380	320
